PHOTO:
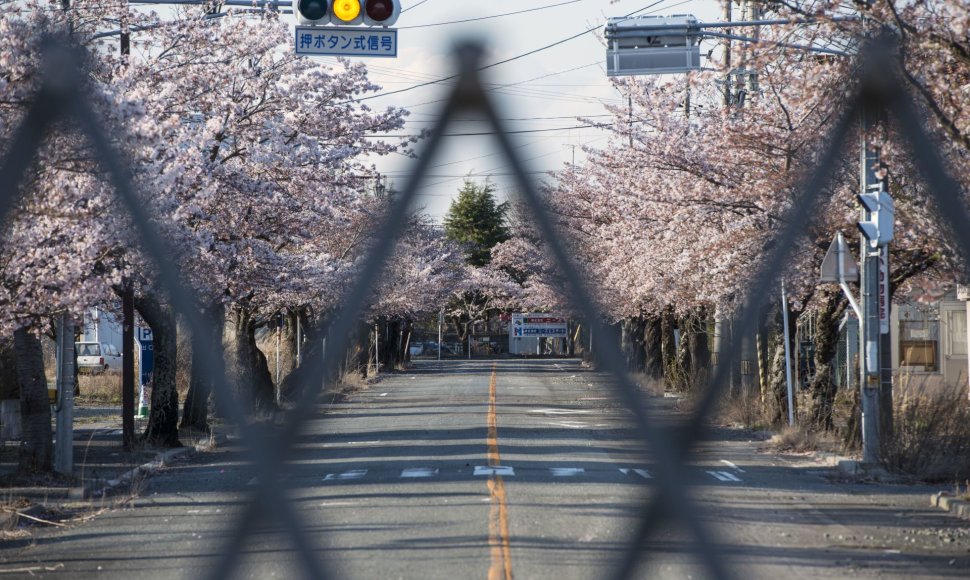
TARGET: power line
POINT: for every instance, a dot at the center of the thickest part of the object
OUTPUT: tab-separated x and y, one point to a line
490	17
413	7
519	132
505	61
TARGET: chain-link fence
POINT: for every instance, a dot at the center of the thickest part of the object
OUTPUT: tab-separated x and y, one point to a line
62	97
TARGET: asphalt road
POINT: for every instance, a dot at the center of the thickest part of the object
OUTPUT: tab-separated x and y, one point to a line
495	469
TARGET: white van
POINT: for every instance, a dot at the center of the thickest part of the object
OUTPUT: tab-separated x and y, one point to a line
97	357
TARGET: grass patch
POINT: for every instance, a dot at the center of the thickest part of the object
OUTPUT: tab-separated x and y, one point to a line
100	389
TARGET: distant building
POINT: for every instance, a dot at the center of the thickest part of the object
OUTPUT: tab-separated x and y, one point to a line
102	325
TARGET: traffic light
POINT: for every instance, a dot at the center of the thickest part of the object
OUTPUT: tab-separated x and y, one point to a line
878	229
347	12
312	12
381	12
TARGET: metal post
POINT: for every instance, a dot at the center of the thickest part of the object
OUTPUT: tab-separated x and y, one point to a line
377	350
323	354
299	340
791	397
470	330
128	367
64	408
869	324
440	320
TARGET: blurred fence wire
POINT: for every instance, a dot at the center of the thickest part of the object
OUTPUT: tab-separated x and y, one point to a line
63	97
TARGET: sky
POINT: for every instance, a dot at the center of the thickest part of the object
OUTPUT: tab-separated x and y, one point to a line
546	91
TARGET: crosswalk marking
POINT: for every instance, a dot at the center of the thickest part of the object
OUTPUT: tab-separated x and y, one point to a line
566	471
641	472
494	470
732	466
724	476
352	474
419	472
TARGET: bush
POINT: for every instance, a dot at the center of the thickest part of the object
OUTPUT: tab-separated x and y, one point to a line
931	435
798	439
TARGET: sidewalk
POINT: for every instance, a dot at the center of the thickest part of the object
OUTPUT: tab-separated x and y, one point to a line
99	463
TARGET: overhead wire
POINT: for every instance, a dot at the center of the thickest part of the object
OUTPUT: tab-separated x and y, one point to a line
493	16
504	61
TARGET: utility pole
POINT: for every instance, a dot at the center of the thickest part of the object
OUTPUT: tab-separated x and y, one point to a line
64	407
630	97
127	310
755	11
727	55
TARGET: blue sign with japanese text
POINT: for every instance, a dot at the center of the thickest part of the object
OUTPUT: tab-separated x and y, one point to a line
147	354
333	41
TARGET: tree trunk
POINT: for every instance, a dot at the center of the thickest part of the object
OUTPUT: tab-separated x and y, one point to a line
195	411
653	347
699	350
777	383
684	362
37	449
162	429
668	350
246	366
822	387
631	339
9	389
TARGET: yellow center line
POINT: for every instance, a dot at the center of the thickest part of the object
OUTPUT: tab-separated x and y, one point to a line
498	517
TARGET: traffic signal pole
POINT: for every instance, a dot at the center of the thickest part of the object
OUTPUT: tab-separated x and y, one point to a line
875	344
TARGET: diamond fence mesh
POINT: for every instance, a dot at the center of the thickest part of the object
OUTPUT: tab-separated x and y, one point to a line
62	97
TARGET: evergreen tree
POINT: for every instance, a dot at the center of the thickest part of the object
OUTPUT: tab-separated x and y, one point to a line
477	222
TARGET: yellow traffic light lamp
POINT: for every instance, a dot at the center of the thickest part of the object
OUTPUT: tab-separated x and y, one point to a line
346	12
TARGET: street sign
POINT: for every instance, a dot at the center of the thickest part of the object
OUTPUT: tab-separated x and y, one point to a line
646	45
146	365
538	326
336	41
839	252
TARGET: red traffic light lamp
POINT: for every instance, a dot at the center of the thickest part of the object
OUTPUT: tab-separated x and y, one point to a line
381	12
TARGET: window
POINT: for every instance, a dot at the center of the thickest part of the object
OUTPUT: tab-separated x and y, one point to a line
956	335
919	338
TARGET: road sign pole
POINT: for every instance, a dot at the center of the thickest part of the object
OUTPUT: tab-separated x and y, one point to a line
128	367
788	379
64	408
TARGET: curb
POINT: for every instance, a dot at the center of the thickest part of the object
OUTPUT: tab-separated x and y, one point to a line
958	507
101	489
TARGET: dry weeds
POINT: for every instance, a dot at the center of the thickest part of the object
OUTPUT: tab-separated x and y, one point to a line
931	435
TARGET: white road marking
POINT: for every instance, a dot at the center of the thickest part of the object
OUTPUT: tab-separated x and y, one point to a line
566	471
496	470
641	472
559	411
353	474
570	424
382	395
724	476
732	466
419	472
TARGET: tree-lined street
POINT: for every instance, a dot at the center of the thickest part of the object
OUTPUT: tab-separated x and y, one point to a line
650	360
393	481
